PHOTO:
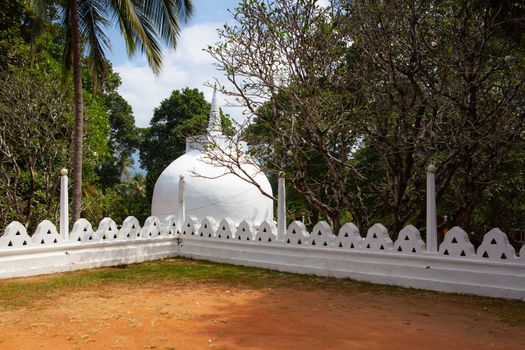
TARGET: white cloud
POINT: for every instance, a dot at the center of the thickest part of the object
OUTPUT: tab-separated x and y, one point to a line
189	66
193	40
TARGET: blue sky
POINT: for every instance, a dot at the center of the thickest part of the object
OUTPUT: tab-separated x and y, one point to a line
188	66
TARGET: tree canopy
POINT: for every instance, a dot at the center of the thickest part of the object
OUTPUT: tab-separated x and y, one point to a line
354	100
39	102
144	25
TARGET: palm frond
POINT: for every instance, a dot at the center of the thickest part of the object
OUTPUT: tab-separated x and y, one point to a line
144	23
166	14
186	8
137	30
93	24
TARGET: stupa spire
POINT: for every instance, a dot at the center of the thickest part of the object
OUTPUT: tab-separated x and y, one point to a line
214	122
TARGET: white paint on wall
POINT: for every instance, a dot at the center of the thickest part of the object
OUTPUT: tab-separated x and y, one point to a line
456	267
456	244
195	185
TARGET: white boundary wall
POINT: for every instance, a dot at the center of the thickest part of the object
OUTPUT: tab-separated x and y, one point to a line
47	252
493	270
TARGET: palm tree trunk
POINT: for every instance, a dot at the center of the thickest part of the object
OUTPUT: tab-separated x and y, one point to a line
78	133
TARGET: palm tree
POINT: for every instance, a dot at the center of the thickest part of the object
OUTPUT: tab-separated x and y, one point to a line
144	25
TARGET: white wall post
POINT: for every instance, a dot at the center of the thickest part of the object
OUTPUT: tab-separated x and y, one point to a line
281	208
431	210
64	205
181	215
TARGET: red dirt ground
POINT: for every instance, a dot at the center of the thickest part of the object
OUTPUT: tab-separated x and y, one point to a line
204	316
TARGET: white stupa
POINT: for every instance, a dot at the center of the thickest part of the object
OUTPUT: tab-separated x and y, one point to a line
215	191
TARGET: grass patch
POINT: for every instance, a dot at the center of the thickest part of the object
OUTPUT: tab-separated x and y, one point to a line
23	292
19	292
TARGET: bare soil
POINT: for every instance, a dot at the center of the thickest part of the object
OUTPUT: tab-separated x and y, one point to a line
221	316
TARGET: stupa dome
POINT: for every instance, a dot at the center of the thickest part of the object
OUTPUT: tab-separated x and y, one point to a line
211	189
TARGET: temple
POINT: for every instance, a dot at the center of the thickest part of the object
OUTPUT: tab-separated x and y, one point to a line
211	189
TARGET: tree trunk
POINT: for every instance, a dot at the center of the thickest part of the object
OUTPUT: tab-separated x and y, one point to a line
29	203
79	115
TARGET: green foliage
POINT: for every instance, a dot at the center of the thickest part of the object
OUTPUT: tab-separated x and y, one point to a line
38	100
15	32
134	201
370	93
506	198
183	114
123	141
144	26
110	138
35	133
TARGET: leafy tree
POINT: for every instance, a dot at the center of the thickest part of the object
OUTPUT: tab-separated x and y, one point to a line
32	152
36	100
132	192
143	25
447	89
124	139
372	92
289	72
15	31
